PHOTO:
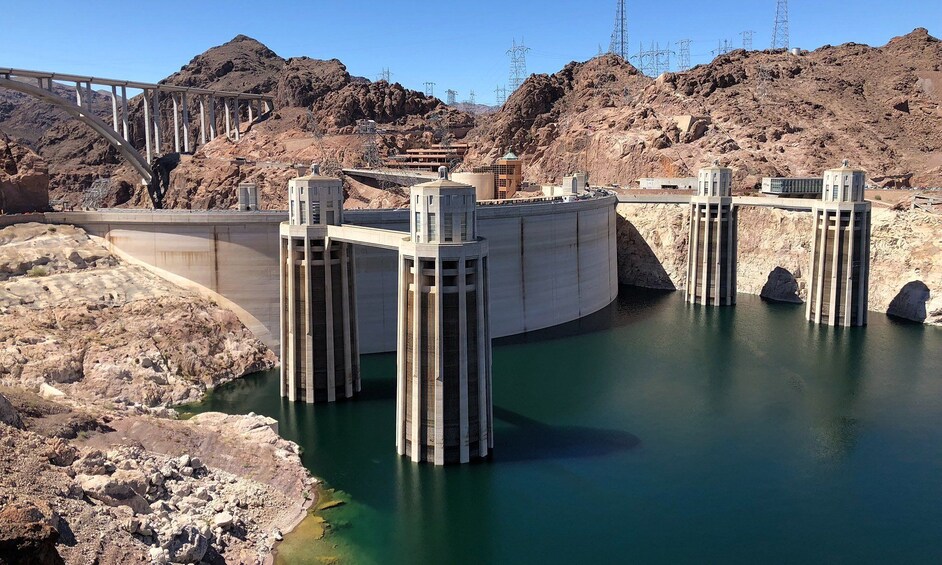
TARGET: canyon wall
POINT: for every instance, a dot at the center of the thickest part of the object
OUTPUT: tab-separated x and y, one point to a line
775	250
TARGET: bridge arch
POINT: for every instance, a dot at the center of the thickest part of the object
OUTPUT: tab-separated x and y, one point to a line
129	153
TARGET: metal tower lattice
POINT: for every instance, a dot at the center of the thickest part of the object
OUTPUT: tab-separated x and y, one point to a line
747	39
430	89
619	44
384	75
683	47
450	96
500	95
518	64
723	47
780	33
471	98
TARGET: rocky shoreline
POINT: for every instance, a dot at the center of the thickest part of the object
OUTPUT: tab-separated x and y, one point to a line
95	466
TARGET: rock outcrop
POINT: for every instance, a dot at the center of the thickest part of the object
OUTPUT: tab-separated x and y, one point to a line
24	179
75	320
763	113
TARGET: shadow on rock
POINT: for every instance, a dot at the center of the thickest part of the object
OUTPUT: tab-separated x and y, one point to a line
910	302
781	286
529	440
640	265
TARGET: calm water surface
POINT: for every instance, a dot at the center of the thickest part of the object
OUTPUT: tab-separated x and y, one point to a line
652	432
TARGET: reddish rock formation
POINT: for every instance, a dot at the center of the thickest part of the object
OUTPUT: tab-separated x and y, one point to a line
24	179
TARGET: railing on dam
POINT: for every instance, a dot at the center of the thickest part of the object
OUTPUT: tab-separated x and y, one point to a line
798	204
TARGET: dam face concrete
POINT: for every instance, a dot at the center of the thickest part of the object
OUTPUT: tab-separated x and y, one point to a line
549	262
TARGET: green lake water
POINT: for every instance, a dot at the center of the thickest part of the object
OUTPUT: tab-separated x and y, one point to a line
652	432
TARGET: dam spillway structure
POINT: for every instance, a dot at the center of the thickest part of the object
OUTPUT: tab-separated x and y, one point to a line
443	399
319	345
840	251
711	254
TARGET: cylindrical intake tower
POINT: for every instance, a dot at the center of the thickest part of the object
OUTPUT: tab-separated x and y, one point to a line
319	353
711	253
840	251
443	408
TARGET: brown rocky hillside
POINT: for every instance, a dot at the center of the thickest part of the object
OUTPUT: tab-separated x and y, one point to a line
764	113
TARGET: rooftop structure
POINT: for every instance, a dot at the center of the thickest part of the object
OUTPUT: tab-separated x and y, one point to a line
792	187
429	158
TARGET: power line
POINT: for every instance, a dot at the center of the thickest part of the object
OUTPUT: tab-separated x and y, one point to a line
430	89
518	64
780	33
684	46
619	44
747	39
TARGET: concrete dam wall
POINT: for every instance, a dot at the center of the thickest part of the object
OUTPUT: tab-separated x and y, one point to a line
550	262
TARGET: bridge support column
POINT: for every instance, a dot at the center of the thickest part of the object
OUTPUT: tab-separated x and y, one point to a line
212	118
225	102
176	123
444	350
838	294
711	254
186	123
124	113
147	127
202	121
237	118
156	116
320	351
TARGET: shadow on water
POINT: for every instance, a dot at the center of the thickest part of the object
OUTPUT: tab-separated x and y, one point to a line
529	440
632	305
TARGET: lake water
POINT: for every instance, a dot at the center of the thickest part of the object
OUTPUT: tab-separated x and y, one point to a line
651	432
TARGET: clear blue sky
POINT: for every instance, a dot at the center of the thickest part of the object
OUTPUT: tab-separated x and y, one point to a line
459	45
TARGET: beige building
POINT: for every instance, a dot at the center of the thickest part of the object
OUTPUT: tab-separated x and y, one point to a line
840	251
711	255
508	176
443	408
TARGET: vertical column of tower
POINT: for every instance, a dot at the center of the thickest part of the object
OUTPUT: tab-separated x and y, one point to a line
443	405
840	251
711	254
319	341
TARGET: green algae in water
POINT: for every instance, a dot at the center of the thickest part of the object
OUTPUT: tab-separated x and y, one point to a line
309	543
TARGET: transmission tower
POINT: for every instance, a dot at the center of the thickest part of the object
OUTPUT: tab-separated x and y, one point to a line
430	89
747	39
662	59
471	98
518	64
654	61
450	96
500	94
384	75
722	47
683	47
619	44
780	33
764	77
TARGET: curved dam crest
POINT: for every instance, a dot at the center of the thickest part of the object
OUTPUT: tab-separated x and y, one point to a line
551	262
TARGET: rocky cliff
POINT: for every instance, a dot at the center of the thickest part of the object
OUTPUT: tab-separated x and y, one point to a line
763	113
775	250
24	179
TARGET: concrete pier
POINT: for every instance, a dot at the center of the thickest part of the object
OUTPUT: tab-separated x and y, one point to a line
319	345
443	400
711	256
840	251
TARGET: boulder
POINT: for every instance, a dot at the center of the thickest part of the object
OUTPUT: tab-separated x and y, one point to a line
8	414
188	546
112	492
910	302
781	287
28	534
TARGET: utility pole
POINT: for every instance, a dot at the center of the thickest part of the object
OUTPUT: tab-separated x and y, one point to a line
684	47
747	39
430	89
518	64
780	33
619	44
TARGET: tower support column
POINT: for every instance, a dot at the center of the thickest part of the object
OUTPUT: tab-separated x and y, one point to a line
711	254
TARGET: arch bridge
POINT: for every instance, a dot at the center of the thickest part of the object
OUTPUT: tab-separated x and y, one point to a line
39	84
